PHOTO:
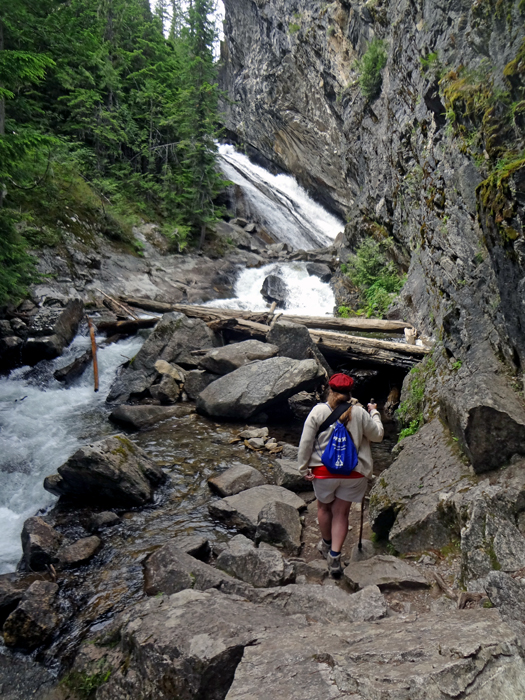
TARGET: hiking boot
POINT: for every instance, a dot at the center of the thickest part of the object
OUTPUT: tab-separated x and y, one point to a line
323	548
335	568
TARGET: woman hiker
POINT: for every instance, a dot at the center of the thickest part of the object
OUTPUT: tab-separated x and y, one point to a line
335	494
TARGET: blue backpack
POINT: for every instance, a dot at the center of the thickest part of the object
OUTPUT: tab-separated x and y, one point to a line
340	456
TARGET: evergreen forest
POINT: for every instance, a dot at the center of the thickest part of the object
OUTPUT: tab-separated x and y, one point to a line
108	113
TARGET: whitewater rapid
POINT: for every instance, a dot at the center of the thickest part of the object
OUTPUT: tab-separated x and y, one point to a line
41	425
279	204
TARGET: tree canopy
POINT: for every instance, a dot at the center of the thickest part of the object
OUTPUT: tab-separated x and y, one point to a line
108	106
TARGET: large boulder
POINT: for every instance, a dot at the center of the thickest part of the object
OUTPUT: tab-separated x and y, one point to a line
174	338
239	477
319	270
275	289
196	381
294	340
12	589
50	332
507	594
287	474
386	572
407	501
467	654
35	618
242	510
256	387
280	524
40	543
170	569
231	357
112	471
262	568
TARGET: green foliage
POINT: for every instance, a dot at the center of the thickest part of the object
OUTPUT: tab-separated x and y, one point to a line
377	277
412	429
17	267
457	365
293	28
431	64
345	311
410	411
84	684
370	66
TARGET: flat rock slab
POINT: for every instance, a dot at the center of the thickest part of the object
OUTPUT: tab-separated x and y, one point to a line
79	552
280	524
385	572
324	603
467	654
170	570
231	357
195	545
242	510
257	386
239	477
140	417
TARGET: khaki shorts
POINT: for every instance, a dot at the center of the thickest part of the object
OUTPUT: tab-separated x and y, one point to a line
346	489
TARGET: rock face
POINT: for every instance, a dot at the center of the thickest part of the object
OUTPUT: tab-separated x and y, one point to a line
51	331
274	289
174	338
139	417
35	618
279	524
507	594
231	357
113	471
258	386
357	154
242	510
237	478
407	500
40	543
261	567
385	572
293	340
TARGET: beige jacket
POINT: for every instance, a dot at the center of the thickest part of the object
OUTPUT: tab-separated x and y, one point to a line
363	428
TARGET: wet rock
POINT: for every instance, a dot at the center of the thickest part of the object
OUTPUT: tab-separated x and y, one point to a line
254	433
189	643
140	417
256	387
287	475
194	545
280	524
74	369
231	357
507	594
275	289
10	351
79	552
327	604
385	572
433	657
196	381
170	570
112	471
174	338
237	478
261	568
294	341
319	270
12	589
40	543
407	500
105	519
35	619
51	331
242	510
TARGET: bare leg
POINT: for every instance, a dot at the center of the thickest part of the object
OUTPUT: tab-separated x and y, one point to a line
339	517
324	516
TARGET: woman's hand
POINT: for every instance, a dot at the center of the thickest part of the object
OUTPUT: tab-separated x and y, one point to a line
372	407
309	476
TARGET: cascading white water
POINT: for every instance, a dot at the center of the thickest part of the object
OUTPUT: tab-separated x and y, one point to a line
278	204
307	295
41	424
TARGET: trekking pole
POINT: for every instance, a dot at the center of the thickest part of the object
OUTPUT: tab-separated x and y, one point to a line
360	545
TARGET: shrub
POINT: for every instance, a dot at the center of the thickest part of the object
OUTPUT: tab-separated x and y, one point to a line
370	66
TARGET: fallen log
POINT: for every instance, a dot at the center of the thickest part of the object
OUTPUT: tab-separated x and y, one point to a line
126	327
208	314
93	353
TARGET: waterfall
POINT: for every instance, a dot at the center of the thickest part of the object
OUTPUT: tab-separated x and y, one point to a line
278	204
41	424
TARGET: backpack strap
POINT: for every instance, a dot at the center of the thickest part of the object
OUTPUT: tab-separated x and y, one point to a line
336	413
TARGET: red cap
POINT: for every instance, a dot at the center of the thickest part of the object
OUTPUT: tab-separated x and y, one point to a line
341	382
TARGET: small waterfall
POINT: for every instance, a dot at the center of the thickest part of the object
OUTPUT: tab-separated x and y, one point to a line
308	296
279	205
41	424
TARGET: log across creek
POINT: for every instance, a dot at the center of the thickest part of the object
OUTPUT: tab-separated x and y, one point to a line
338	345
